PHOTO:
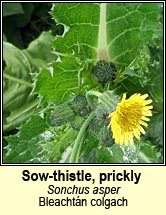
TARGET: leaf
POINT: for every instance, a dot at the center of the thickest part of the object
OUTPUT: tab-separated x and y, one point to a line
147	153
37	143
89	150
83	23
155	75
94	152
136	24
25	147
155	129
21	67
12	33
23	19
117	29
17	86
12	8
92	32
62	142
59	86
39	51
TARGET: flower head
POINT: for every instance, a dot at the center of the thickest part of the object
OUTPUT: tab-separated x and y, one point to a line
129	117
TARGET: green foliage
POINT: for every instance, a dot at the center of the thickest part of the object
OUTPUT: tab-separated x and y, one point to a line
24	22
23	145
36	143
58	87
17	85
128	35
12	8
136	25
21	66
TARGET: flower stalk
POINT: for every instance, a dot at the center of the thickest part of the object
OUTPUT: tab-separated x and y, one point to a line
74	157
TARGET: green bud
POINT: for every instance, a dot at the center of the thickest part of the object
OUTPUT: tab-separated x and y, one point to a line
61	114
104	71
80	106
105	137
107	103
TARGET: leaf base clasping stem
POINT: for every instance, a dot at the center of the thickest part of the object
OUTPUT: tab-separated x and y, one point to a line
89	94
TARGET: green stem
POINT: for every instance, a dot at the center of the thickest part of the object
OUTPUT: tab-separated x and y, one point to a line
17	80
102	36
74	155
80	146
19	116
89	100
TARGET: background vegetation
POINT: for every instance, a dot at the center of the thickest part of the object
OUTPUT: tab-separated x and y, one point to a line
49	52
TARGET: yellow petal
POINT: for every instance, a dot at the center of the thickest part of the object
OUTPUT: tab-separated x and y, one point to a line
129	117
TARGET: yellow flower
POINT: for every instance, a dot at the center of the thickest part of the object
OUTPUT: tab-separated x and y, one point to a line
128	118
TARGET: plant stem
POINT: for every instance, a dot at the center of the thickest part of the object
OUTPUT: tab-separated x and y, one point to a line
17	80
19	116
78	142
102	37
88	97
80	146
